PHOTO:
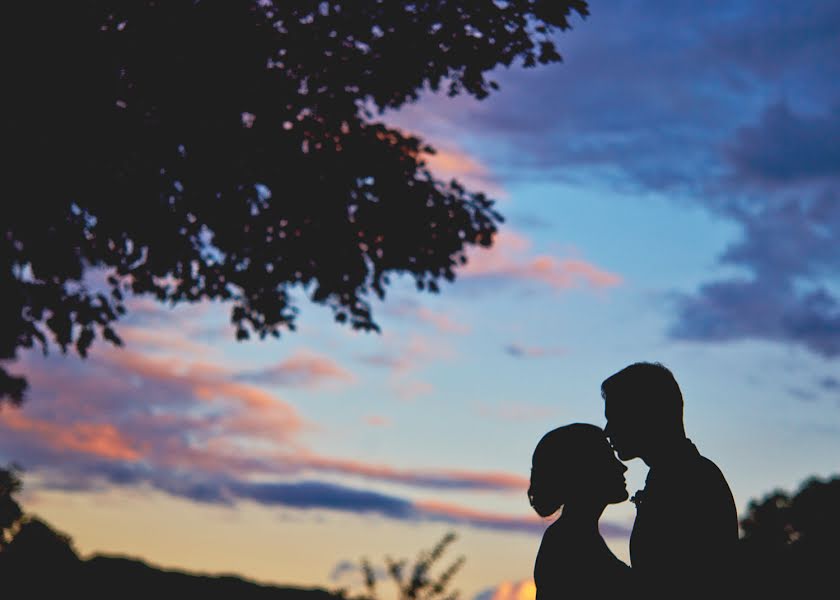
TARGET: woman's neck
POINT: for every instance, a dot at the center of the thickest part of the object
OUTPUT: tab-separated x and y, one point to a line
583	515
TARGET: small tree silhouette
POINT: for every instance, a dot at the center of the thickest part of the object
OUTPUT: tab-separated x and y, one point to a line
10	511
413	582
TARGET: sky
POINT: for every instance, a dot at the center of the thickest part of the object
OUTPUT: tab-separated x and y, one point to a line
670	193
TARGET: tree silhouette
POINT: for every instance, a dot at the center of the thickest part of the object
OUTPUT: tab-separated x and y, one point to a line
789	542
228	150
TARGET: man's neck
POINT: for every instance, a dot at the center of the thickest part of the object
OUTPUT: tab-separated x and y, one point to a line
667	451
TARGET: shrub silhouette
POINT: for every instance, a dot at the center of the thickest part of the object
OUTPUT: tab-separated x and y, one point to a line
412	582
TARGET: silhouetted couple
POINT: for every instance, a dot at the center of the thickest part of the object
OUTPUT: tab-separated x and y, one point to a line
686	529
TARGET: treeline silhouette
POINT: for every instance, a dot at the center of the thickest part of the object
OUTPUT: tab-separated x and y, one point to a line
40	562
788	549
37	561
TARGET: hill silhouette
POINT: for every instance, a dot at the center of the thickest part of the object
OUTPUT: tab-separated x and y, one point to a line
41	562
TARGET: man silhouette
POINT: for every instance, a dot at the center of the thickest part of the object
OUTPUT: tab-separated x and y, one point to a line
686	527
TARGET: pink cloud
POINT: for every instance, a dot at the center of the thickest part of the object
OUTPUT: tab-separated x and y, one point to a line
377	421
161	340
98	439
403	355
414	312
453	163
440	478
509	259
524	589
457	513
303	369
411	390
190	416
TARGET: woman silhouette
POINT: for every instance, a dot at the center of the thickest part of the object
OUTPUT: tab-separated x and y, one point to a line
574	468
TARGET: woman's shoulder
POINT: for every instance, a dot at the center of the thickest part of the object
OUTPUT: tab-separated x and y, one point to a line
556	538
554	545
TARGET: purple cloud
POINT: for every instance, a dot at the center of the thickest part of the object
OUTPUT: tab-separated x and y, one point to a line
790	249
785	147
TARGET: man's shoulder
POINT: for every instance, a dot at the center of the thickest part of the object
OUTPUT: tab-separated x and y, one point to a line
706	467
708	481
694	476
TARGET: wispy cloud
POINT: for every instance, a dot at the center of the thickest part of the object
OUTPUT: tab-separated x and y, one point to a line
99	440
452	513
302	369
450	162
401	355
192	430
510	259
413	311
411	390
428	478
522	351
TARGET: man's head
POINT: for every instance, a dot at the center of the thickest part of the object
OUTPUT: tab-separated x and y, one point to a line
644	409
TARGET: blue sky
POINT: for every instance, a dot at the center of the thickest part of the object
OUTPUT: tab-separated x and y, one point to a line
671	194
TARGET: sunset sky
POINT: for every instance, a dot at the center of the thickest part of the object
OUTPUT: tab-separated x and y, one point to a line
670	193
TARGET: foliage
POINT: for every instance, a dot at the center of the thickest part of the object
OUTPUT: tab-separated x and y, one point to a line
414	582
10	511
228	150
789	543
809	517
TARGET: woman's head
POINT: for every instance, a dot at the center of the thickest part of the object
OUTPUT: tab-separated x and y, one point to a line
575	464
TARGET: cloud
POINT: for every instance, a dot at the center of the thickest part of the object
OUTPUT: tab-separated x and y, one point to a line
695	105
763	152
460	515
411	390
165	341
789	250
188	429
801	394
509	259
412	311
378	421
320	495
830	383
521	351
302	369
402	355
101	440
524	589
771	42
452	163
453	479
